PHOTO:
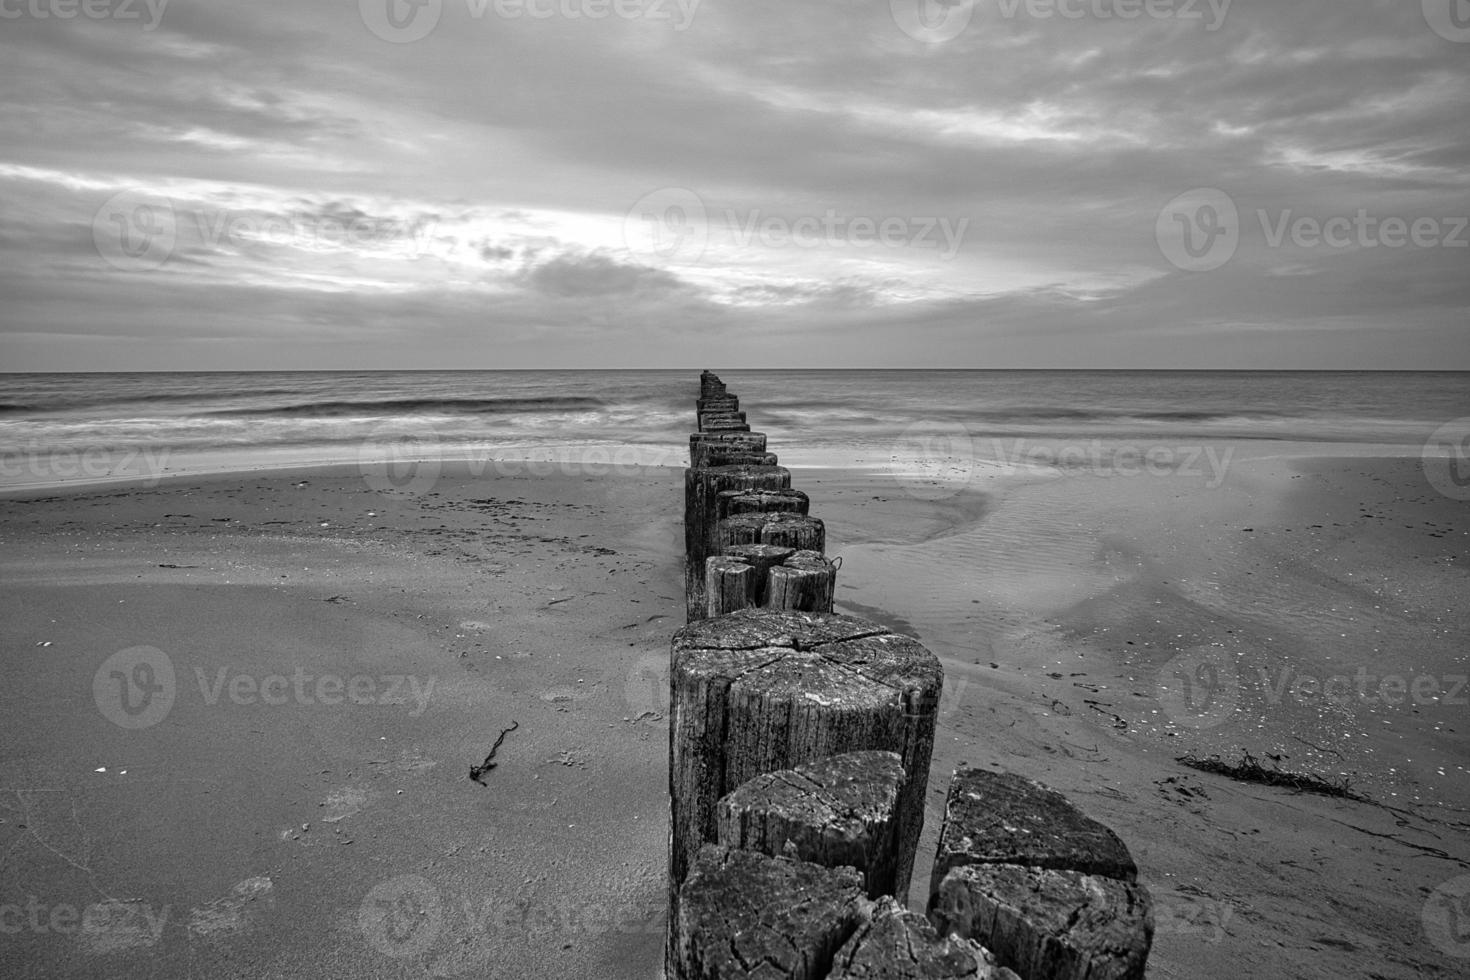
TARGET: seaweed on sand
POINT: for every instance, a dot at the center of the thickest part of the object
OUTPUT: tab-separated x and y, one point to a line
1250	770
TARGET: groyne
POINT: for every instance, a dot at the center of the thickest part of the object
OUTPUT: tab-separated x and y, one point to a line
800	742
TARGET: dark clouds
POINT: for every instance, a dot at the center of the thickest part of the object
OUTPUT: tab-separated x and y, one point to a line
464	199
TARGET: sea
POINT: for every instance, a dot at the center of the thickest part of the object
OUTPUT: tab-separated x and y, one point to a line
96	427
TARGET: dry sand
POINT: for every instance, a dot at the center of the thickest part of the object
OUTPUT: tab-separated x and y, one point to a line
235	837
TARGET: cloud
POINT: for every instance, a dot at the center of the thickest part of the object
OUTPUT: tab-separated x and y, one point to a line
401	190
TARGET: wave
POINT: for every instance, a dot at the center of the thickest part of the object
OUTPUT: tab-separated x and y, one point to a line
417	406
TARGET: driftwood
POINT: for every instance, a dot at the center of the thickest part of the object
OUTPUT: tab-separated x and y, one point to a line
744	914
1003	818
896	944
759	690
1060	925
836	812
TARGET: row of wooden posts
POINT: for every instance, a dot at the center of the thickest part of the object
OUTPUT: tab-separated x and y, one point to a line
799	750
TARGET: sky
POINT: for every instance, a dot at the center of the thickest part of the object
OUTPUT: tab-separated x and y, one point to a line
334	184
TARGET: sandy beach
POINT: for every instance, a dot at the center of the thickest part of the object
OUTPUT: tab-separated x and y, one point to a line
295	798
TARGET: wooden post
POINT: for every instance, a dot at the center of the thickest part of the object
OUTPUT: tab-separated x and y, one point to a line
1003	818
836	812
702	487
806	581
712	424
1061	925
797	531
730	584
760	690
734	502
699	442
896	944
726	402
1049	890
744	914
722	422
719	456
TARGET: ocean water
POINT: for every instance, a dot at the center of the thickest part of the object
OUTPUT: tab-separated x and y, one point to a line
58	428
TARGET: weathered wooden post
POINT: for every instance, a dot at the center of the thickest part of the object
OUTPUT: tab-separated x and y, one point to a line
806	581
702	442
800	532
758	690
1052	892
896	944
837	812
702	487
734	502
738	916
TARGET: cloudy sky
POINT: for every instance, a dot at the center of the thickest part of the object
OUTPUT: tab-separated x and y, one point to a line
218	184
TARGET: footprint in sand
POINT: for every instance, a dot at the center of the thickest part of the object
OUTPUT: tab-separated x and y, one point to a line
342	803
233	913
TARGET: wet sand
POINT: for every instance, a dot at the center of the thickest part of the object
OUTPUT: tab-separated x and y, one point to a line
320	836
